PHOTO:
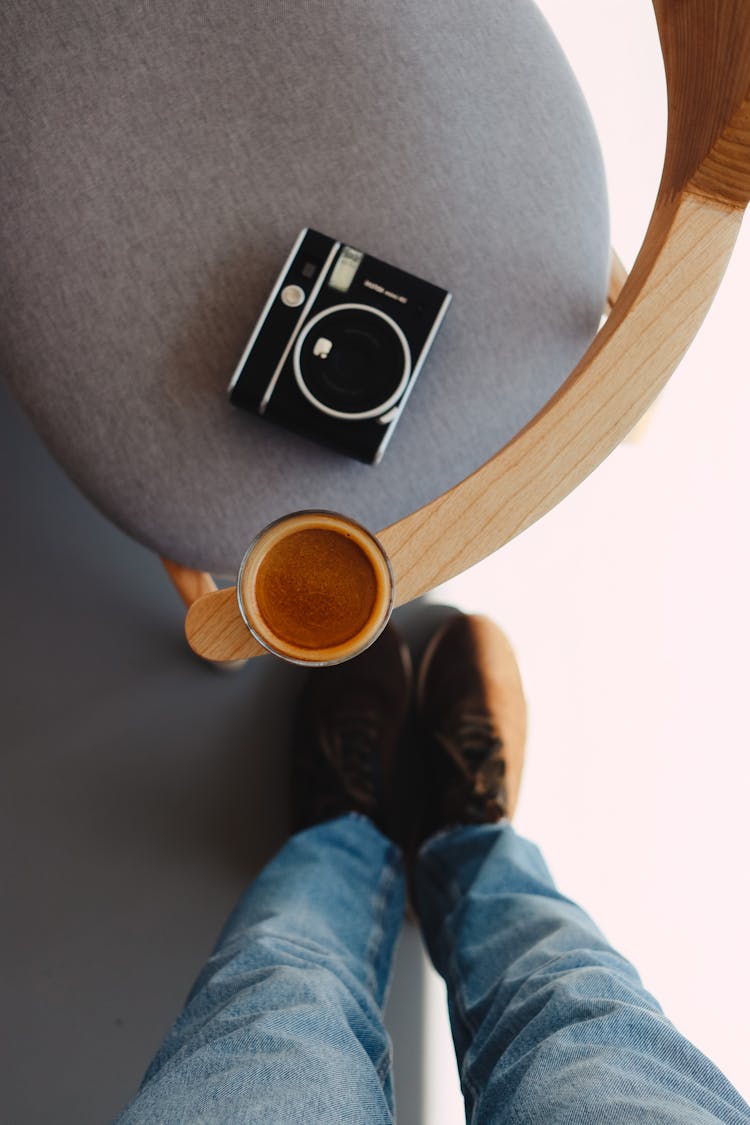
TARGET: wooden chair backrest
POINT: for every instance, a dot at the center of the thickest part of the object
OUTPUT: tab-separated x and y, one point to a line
704	190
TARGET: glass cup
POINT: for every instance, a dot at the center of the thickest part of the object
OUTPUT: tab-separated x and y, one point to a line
315	588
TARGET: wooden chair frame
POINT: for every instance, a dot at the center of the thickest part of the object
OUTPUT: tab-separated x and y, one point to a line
704	190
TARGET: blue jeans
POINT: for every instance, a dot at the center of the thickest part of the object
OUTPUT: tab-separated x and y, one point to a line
550	1024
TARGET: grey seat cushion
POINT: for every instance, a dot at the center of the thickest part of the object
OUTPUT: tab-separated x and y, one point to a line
157	164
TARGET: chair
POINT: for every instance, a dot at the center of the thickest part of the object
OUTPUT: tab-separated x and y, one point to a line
555	428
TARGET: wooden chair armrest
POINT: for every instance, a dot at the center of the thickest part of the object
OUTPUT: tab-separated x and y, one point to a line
705	187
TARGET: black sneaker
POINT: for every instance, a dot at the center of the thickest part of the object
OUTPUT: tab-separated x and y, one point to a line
472	715
345	743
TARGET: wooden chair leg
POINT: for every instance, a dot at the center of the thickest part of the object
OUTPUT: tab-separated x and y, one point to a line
191	585
618	275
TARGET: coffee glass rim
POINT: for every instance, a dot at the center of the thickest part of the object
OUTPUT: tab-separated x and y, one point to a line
388	609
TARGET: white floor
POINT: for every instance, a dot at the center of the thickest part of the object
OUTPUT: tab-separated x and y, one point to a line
629	609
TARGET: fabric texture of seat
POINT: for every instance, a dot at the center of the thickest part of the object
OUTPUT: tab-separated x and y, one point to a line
158	162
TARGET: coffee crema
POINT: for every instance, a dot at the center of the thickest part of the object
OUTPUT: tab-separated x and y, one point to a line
315	588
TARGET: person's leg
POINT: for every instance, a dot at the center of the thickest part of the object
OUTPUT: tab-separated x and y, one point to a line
284	1023
549	1022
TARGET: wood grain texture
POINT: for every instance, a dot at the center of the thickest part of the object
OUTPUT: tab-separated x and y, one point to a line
215	629
190	584
706	49
624	370
705	186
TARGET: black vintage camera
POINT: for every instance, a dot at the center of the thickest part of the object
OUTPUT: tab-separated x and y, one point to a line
338	346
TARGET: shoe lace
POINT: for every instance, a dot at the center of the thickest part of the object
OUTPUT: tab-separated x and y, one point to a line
475	748
352	751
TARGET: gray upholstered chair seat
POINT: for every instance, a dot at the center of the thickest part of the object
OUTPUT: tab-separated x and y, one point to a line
157	164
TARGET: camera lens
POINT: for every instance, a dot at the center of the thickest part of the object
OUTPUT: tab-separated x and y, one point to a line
352	361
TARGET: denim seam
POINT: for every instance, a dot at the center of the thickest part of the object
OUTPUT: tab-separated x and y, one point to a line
453	892
374	945
377	933
383	1066
462	1007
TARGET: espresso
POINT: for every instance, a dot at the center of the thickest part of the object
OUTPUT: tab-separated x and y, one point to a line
315	587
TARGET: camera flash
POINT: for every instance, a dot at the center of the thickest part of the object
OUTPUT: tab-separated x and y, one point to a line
346	267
